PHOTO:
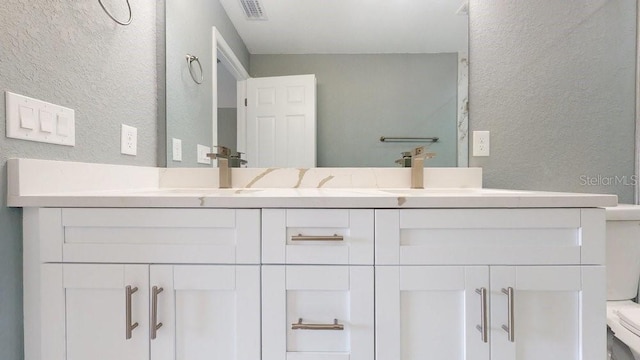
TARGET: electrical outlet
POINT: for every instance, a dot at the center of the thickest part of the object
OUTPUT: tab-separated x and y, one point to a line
176	149
202	154
129	140
481	143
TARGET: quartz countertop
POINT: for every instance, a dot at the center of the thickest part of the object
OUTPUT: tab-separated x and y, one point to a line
42	183
312	198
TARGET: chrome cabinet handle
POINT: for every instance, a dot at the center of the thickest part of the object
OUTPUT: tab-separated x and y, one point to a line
509	328
129	326
301	237
483	314
154	312
301	326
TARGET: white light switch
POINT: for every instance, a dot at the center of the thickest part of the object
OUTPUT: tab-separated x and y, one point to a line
26	118
35	120
46	121
63	125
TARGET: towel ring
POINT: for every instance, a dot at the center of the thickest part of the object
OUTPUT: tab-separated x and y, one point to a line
116	20
190	60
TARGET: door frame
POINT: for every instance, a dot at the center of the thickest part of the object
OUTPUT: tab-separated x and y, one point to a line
222	51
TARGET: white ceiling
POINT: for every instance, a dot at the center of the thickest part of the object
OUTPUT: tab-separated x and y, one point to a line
352	26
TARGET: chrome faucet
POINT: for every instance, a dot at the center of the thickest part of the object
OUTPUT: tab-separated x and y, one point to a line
224	173
417	166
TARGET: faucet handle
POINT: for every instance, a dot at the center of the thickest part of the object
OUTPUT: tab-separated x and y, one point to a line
417	152
222	152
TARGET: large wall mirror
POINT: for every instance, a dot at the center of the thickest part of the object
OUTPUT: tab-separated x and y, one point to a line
393	69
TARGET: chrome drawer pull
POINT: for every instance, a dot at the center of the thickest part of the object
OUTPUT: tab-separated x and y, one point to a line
129	326
509	328
301	326
483	313
301	237
154	312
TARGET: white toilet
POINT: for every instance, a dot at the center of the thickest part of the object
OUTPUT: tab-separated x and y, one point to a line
623	275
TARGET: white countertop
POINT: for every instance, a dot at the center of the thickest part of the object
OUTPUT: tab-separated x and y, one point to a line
310	198
41	183
624	212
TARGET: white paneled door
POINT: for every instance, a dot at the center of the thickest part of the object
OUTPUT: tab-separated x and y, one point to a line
317	312
156	312
547	314
489	312
208	312
281	121
441	311
106	309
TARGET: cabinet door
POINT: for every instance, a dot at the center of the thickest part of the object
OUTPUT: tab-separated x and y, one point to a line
557	313
96	308
317	313
207	312
432	310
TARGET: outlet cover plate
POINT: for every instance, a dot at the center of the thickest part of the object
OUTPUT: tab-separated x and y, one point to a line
481	143
129	140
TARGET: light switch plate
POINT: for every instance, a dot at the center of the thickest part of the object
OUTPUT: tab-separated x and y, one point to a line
129	140
481	143
33	120
176	146
202	154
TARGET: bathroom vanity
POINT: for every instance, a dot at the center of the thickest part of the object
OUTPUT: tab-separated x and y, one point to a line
332	264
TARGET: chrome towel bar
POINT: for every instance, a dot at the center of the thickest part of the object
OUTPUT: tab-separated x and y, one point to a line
408	139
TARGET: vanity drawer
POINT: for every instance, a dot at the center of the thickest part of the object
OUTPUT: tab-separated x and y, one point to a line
214	236
489	236
317	236
317	312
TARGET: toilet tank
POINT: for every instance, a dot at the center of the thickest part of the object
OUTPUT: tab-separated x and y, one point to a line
623	252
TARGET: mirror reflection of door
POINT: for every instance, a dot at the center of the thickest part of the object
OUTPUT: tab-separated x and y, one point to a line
281	121
227	109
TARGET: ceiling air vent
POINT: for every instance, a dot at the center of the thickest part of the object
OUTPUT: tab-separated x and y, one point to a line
253	10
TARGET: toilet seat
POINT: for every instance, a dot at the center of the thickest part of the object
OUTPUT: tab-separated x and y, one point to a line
623	318
630	319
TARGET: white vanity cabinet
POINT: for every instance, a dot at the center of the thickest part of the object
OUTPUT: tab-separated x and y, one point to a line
306	284
165	304
518	284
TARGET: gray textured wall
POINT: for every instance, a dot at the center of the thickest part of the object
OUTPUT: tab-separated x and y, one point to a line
363	97
554	83
189	108
70	53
